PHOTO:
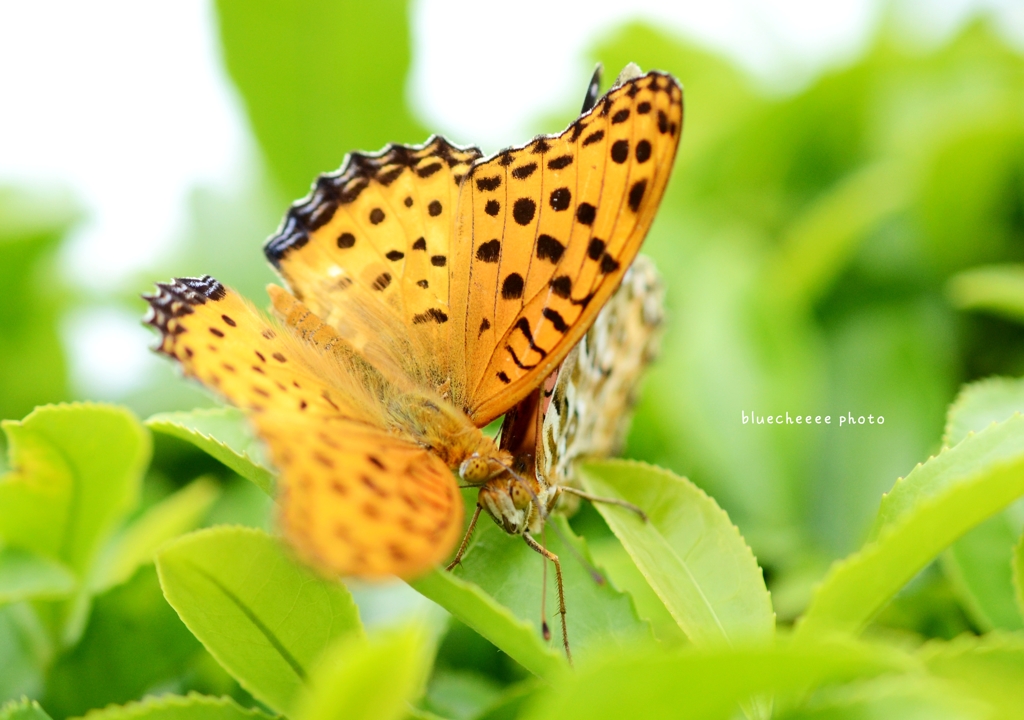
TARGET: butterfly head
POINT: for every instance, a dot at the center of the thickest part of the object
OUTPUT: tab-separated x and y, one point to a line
518	504
478	469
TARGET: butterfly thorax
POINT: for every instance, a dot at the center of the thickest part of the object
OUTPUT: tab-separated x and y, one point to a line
438	425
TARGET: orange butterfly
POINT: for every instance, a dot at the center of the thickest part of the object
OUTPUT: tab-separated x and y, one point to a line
430	291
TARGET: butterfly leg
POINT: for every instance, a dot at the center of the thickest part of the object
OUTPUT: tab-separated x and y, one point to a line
465	541
537	547
607	501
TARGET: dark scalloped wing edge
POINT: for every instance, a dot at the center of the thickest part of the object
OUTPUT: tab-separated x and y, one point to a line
344	185
176	299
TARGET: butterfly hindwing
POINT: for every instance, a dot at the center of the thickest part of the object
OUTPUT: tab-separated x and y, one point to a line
547	231
592	401
359	501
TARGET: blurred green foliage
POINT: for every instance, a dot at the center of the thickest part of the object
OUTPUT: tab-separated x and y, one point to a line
853	246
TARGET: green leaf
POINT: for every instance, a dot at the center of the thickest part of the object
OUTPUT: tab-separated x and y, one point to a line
980	404
925	512
1017	574
224	434
133	642
991	668
979	567
26	651
260	613
25	575
706	682
77	472
23	709
320	81
904	697
169	518
997	289
360	679
175	707
517	638
690	552
460	694
980	561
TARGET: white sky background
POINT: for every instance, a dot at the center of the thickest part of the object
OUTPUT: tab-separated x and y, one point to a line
132	121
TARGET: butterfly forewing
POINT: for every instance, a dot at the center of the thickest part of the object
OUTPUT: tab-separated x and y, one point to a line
220	340
547	231
378	232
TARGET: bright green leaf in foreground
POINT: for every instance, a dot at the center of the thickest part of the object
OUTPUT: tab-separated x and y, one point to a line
25	575
360	679
223	433
925	512
77	469
23	709
507	569
517	638
176	707
990	668
706	682
265	617
689	551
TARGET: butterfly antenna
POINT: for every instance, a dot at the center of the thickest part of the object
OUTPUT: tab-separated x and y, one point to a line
596	576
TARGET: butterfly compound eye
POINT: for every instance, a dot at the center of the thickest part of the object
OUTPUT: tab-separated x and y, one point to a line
475	470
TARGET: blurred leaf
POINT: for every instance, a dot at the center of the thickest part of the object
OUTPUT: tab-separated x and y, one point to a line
892	361
132	643
26	576
991	668
981	560
176	707
137	544
689	551
264	616
25	651
460	694
907	698
320	80
32	365
223	433
932	507
998	289
817	245
706	682
470	604
360	679
1017	574
23	709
